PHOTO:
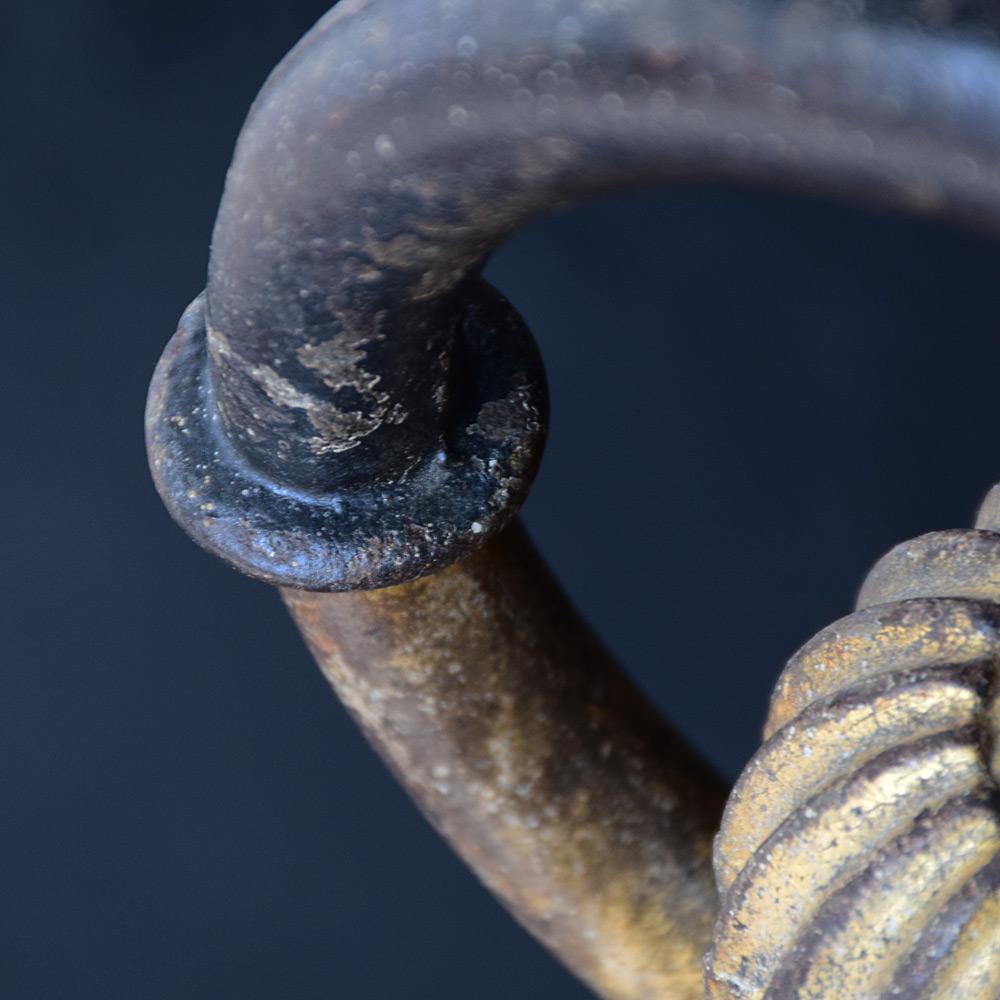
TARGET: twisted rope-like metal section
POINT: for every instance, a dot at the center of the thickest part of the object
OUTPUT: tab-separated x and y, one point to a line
860	851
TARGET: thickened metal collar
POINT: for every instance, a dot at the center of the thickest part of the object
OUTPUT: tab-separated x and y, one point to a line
466	486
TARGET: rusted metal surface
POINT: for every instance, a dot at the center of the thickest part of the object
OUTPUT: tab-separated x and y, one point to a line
350	406
537	759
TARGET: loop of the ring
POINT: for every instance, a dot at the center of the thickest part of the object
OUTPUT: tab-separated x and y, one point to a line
465	490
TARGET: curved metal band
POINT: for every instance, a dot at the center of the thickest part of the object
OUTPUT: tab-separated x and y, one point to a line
537	759
351	406
399	142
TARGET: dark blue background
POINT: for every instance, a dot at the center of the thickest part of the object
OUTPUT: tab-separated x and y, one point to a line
753	397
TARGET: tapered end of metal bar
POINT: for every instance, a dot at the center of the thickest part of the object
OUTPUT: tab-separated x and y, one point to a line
462	480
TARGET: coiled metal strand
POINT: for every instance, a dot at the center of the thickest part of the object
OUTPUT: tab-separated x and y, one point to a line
859	855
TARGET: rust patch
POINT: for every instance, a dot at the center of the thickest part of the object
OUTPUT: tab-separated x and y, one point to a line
537	759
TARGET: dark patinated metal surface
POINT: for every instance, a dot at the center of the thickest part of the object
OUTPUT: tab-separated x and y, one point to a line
400	141
370	534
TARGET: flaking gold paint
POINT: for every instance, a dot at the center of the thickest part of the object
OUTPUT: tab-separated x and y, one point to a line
796	763
795	870
973	966
867	826
858	958
880	640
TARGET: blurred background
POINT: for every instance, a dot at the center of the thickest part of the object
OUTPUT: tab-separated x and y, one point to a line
753	397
